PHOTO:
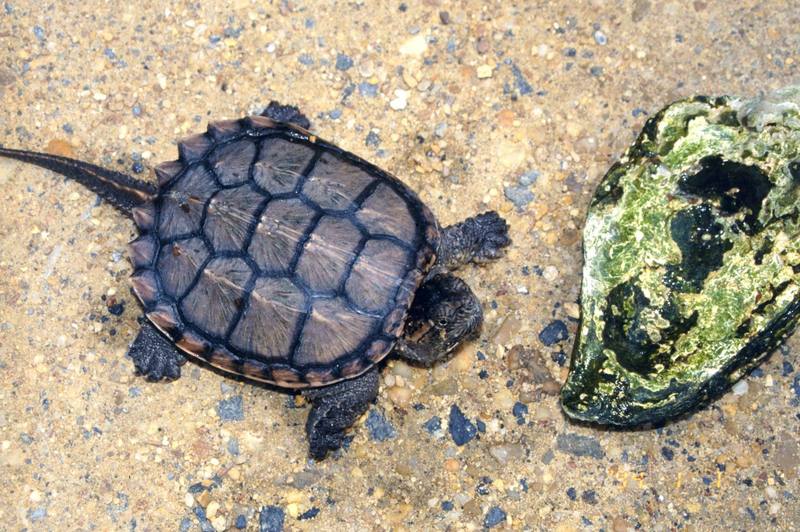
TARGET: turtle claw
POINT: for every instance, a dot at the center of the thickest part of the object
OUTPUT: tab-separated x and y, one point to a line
154	356
493	231
286	113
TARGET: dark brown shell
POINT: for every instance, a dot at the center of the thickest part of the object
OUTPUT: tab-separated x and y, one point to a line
275	255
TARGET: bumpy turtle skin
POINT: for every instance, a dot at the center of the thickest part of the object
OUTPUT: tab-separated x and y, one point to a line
196	276
120	190
154	356
445	313
335	408
477	239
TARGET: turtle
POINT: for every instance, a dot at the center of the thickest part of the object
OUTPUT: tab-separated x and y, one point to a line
269	253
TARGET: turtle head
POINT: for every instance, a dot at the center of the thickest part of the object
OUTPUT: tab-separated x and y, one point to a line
445	312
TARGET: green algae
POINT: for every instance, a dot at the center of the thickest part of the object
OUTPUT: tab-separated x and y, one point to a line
692	260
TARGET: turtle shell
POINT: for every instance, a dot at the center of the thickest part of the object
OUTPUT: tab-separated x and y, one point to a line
272	254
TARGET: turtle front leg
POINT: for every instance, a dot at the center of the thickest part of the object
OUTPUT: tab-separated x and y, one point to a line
154	355
286	113
478	239
445	312
335	408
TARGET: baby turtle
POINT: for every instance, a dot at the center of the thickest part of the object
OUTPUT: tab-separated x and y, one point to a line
272	254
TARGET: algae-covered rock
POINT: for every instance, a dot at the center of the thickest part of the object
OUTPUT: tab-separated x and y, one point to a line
692	259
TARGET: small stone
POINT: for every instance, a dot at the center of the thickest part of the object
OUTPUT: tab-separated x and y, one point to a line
740	388
399	395
440	129
343	62
667	453
578	445
494	517
241	522
311	513
485	71
444	17
461	429
506	453
372	139
519	195
203	498
400	101
271	519
555	332
589	497
380	429
433	424
600	38
415	45
551	387
523	86
212	509
60	147
37	514
231	409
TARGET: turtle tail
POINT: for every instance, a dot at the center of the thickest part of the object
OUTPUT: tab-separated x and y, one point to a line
120	190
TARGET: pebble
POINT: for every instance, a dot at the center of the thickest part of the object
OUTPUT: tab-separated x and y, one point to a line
578	445
494	517
271	519
399	395
555	332
505	453
212	509
485	71
600	38
522	84
400	101
231	409
519	195
380	429
740	388
461	429
433	425
415	45
343	62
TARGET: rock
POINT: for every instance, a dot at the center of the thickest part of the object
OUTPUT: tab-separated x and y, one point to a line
578	445
433	425
494	517
740	388
519	195
415	45
556	331
231	409
399	395
461	429
688	255
506	453
380	429
60	147
271	519
551	387
485	71
343	62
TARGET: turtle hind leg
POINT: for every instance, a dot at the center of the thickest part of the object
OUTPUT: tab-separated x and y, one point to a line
286	113
478	239
335	408
154	355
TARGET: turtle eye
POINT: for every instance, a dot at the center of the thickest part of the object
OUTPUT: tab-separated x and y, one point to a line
441	322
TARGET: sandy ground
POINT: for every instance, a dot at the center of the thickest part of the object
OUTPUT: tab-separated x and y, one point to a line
513	106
